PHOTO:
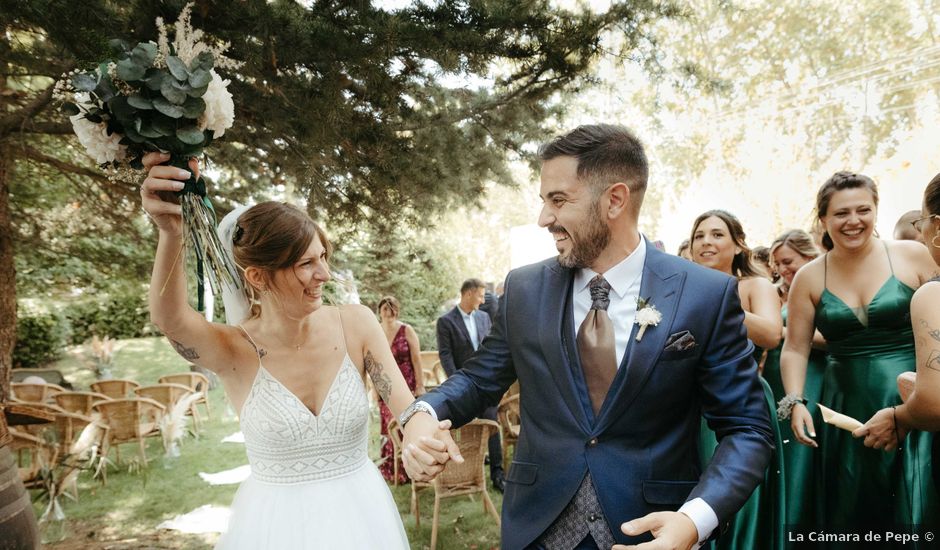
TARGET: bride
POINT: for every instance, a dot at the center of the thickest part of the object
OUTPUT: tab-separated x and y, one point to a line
294	368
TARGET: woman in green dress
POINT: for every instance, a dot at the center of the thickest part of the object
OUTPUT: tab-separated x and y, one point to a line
858	296
718	242
788	254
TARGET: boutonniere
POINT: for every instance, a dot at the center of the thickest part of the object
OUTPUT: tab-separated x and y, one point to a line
646	315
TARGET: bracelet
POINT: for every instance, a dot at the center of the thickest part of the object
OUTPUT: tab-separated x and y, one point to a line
785	405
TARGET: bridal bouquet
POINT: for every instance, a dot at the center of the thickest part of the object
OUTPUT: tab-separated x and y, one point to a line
160	97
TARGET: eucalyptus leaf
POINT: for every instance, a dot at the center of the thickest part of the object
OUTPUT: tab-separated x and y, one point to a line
200	78
203	61
94	118
144	54
171	92
149	131
132	135
119	45
140	102
122	111
163	124
177	68
129	71
169	109
70	109
84	82
194	107
105	89
198	92
190	135
155	80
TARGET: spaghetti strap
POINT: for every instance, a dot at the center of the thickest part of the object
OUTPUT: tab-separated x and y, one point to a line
891	265
252	340
342	329
825	270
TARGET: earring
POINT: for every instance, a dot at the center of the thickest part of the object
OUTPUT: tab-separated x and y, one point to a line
934	241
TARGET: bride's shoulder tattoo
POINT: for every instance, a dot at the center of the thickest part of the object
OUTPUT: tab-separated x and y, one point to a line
381	381
933	362
186	353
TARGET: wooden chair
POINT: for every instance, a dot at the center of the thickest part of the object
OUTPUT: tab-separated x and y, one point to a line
461	479
129	420
116	388
32	454
51	376
434	374
193	380
509	418
79	402
395	436
34	393
168	395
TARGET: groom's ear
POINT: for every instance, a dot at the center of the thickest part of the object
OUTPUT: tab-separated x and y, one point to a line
619	196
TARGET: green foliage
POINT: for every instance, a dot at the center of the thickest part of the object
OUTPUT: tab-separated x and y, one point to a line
40	338
122	313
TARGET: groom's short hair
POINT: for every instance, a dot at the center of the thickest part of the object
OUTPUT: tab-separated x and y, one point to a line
606	154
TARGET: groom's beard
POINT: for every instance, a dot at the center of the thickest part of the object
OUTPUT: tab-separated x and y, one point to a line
586	245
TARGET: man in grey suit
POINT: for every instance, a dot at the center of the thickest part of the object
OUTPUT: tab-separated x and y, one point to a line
460	332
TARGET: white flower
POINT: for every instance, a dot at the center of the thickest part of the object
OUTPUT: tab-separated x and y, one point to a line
220	109
96	141
647	315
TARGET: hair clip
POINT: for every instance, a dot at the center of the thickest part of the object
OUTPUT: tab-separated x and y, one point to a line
239	231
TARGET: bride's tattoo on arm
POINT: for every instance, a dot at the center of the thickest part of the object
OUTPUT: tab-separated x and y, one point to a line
186	353
934	333
381	381
933	362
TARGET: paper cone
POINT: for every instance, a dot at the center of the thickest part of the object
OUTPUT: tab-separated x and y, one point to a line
906	382
839	420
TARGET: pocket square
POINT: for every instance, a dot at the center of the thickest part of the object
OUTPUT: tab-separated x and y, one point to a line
680	341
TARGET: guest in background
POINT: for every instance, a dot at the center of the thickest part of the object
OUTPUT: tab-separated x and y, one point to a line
406	349
490	303
761	257
858	296
685	250
904	229
922	410
789	253
718	242
460	332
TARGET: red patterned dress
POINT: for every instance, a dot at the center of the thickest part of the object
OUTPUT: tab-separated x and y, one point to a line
402	353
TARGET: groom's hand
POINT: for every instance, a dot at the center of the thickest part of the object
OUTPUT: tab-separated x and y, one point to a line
671	531
427	447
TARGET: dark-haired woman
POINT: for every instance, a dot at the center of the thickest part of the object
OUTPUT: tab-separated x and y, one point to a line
294	368
858	295
403	341
789	253
718	242
922	409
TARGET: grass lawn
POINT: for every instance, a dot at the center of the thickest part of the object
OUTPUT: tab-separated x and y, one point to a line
124	513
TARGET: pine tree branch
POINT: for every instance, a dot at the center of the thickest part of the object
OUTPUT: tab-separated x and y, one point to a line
18	119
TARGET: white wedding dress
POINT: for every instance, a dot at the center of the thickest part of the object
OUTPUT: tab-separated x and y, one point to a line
312	484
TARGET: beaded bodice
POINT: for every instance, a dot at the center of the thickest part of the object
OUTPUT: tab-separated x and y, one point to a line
287	443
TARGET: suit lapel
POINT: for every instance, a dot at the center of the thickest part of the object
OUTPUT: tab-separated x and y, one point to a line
557	282
457	316
660	288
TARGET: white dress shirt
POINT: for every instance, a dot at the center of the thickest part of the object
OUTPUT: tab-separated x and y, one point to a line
625	279
471	327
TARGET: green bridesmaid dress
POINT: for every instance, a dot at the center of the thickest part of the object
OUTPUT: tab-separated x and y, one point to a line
868	347
801	462
759	524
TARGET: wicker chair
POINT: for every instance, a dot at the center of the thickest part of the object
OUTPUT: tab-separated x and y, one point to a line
115	388
395	435
129	420
79	402
196	382
51	376
508	415
434	374
461	479
35	393
32	454
168	395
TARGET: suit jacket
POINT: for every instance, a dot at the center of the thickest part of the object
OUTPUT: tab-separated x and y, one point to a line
642	449
453	340
490	305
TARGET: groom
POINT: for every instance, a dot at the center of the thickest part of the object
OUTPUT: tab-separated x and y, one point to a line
610	396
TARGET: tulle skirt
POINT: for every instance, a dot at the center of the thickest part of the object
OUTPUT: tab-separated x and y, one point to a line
355	510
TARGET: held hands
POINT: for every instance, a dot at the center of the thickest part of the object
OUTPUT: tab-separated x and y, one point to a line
881	431
801	422
427	447
155	192
670	530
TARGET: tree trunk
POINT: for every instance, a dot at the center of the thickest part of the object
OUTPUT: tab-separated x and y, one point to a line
7	276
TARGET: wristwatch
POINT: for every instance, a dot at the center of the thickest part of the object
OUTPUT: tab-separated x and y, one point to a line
415	407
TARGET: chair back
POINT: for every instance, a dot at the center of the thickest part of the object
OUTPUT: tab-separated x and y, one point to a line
116	388
79	402
68	426
472	438
51	376
129	419
431	367
34	393
165	394
509	417
192	380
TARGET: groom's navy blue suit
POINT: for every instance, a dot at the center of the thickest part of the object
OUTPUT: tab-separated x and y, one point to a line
642	449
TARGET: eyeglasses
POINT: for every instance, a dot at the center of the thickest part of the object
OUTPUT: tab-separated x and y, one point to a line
919	223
